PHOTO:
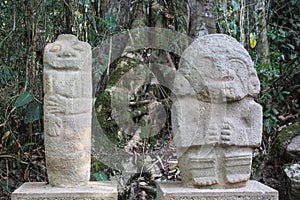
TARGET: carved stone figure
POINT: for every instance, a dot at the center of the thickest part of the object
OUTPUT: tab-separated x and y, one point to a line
67	111
215	144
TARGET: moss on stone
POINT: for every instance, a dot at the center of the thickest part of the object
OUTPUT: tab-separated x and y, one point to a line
103	101
287	134
103	107
124	65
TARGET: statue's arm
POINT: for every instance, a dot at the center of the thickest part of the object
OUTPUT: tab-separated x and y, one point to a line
250	133
256	124
58	104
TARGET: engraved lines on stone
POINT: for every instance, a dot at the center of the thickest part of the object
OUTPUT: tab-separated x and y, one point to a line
240	67
54	125
55	106
206	171
204	176
63	100
237	168
220	134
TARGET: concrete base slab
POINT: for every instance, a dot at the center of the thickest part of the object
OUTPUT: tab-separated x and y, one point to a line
253	191
93	191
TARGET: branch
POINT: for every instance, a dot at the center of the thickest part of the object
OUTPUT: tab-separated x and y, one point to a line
279	78
133	103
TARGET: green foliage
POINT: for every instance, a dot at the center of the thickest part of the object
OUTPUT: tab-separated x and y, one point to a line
256	165
25	28
110	23
23	99
103	109
7	74
7	186
100	171
228	18
32	113
100	176
103	102
279	78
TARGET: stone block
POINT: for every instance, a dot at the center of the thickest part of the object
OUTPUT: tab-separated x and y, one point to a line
293	175
293	149
253	191
42	191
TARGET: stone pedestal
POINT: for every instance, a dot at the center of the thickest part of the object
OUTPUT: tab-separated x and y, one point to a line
43	191
253	191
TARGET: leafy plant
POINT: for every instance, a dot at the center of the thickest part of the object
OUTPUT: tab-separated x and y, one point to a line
100	176
110	23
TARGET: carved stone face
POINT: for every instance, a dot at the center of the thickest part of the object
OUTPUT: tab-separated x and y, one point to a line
224	79
67	52
253	83
219	69
234	78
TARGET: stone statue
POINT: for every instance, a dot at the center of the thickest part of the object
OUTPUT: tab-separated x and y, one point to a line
215	144
67	111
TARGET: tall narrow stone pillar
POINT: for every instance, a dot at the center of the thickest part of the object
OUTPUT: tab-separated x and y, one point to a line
68	111
67	124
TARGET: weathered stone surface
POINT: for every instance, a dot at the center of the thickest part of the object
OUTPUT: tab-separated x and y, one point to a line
67	111
43	191
293	149
216	135
253	191
293	174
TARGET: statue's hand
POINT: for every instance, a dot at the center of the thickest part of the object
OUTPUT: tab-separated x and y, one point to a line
53	126
212	136
226	134
56	104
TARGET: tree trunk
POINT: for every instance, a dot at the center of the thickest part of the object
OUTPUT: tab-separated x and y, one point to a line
68	14
181	10
262	42
201	11
119	9
241	22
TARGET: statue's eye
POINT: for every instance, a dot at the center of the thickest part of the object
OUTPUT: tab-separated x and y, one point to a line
253	73
55	48
238	65
78	47
240	68
228	78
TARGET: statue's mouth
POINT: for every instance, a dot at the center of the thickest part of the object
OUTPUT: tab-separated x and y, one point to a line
65	63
